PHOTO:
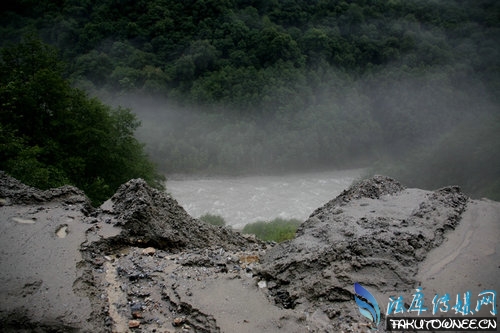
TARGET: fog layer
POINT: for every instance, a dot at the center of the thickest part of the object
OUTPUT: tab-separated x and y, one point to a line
430	129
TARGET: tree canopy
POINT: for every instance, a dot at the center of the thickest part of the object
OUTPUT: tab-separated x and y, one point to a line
52	134
165	47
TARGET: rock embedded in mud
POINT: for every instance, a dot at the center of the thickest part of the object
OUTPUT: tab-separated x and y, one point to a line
178	321
149	251
137	314
246	259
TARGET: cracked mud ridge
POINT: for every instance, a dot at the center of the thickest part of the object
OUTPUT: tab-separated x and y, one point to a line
140	263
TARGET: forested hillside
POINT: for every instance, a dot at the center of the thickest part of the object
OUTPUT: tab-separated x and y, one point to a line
260	86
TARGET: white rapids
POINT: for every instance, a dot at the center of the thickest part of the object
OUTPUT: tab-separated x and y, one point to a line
242	200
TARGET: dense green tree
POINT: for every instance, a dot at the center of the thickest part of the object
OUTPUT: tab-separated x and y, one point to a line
52	134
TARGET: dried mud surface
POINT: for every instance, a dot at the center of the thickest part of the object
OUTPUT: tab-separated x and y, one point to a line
140	263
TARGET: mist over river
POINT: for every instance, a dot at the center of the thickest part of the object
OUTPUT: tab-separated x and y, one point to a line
246	199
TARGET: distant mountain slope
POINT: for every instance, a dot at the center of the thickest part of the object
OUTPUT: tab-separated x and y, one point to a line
267	86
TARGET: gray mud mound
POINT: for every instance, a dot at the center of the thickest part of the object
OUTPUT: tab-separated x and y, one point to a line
372	188
375	233
14	192
153	218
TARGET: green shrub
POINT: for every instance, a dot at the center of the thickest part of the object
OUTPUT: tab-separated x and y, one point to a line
213	219
277	230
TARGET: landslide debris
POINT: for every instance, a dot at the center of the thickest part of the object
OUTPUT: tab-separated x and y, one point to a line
155	273
150	217
375	233
140	263
13	192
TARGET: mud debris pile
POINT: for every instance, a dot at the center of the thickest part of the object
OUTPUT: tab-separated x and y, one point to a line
150	217
13	192
140	263
374	233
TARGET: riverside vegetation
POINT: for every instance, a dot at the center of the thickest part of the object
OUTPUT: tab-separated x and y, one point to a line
213	219
407	87
276	230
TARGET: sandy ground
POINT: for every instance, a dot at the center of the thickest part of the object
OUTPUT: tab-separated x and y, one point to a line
469	259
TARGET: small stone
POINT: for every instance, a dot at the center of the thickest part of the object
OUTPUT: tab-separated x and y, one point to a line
262	284
108	322
136	307
149	251
134	323
248	259
137	314
178	321
98	262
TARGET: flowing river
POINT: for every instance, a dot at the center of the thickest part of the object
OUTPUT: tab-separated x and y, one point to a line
242	200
